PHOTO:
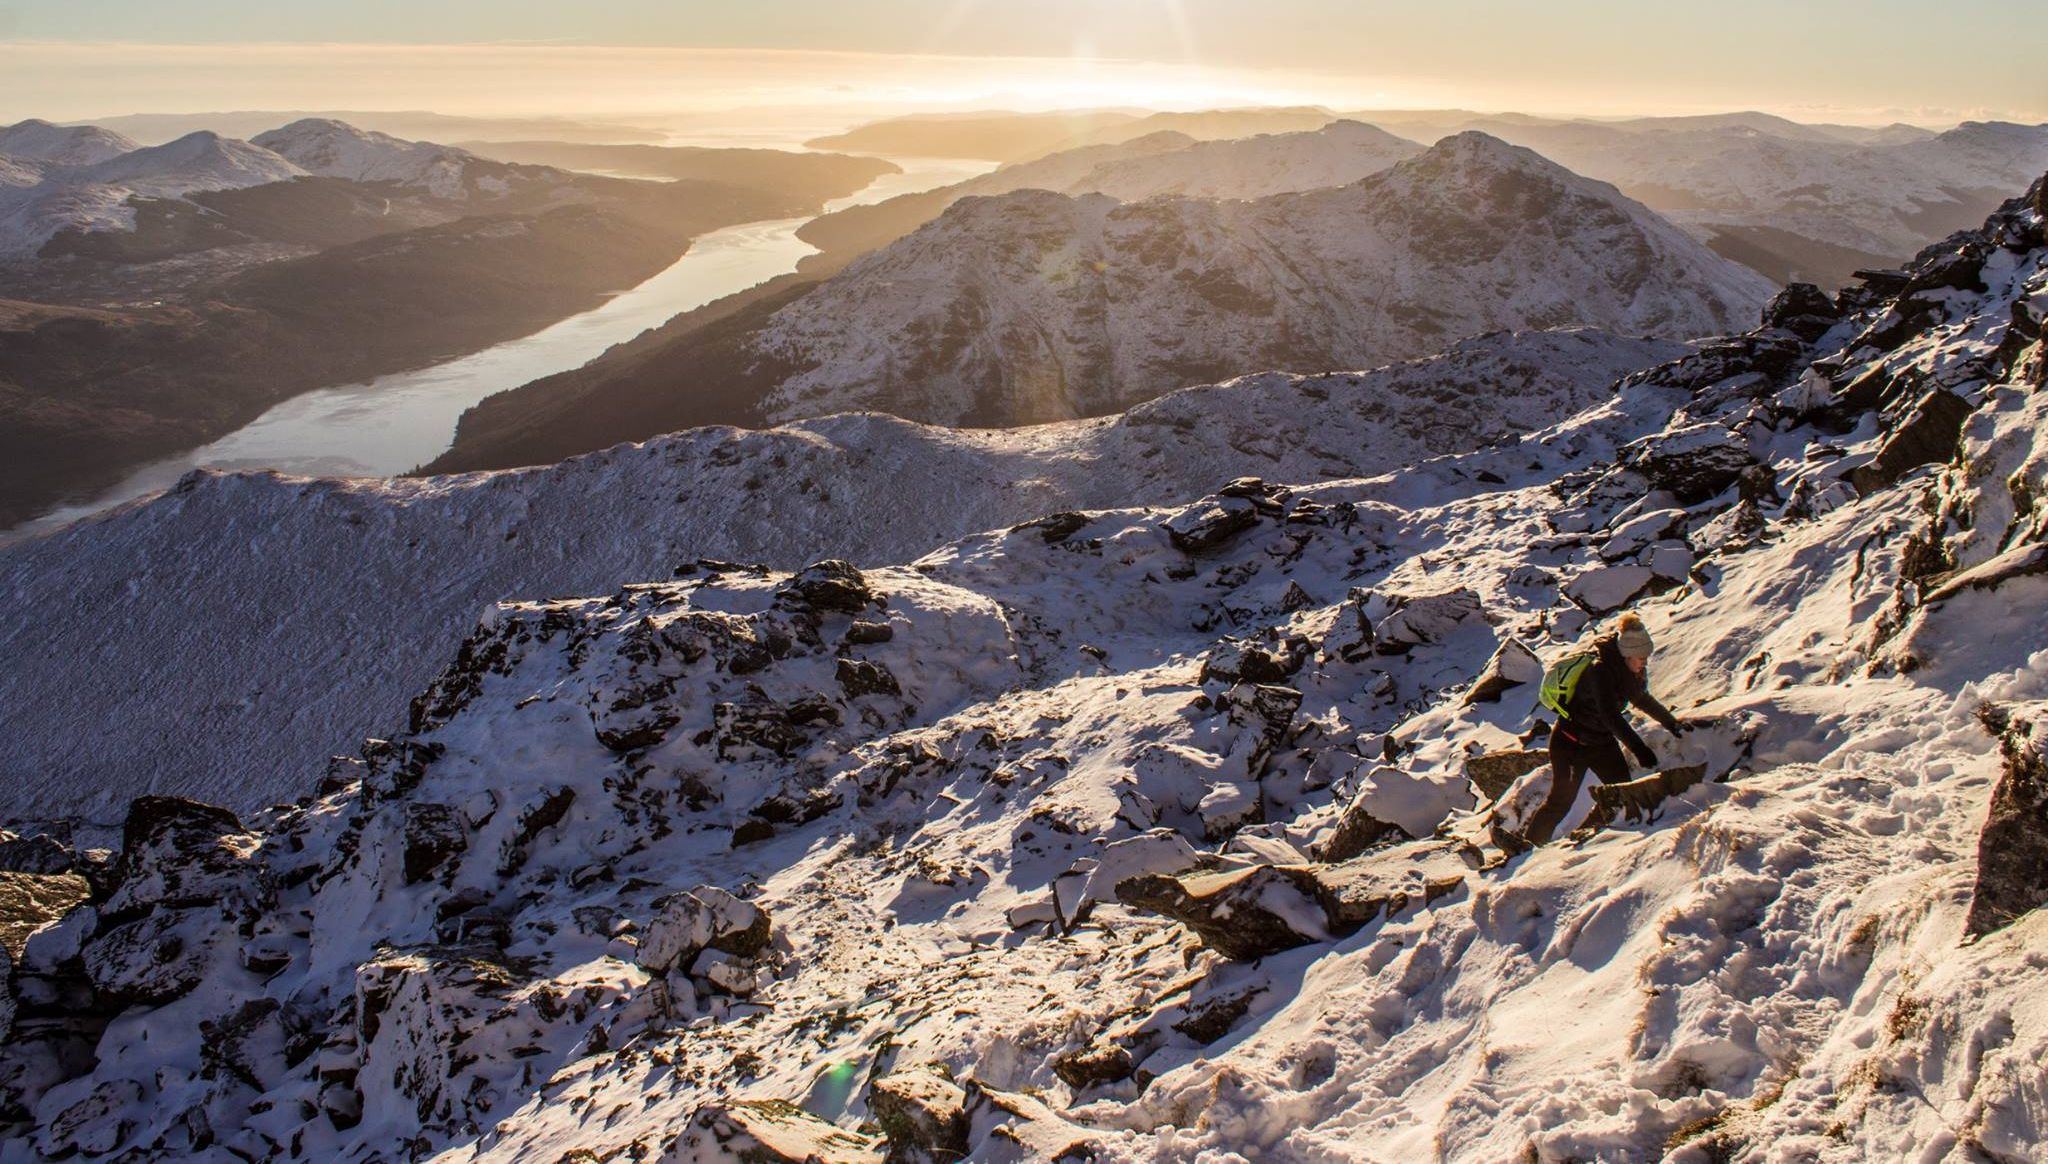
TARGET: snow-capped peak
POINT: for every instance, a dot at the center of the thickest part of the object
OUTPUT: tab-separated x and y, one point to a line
1032	307
336	149
202	160
1476	151
80	145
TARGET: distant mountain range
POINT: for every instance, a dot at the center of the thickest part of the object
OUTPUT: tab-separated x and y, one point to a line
1793	201
1789	200
1034	306
411	124
152	298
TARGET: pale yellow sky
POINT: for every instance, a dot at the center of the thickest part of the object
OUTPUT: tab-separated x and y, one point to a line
1867	61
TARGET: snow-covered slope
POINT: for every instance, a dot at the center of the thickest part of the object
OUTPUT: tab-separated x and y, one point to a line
1980	154
336	149
1066	170
177	598
19	172
1035	307
198	161
95	196
80	145
33	215
1140	835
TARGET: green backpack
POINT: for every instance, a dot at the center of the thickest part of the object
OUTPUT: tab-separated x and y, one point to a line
1561	681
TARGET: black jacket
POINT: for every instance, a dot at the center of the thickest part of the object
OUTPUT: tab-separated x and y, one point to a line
1599	707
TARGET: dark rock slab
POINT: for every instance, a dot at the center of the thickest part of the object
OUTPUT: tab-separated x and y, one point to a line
41	853
1493	773
1692	464
1802	309
1249	913
1242	914
1357	830
2012	849
436	836
1928	434
1634	801
858	677
1512	665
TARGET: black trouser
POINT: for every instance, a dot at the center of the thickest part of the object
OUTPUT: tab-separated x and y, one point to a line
1570	758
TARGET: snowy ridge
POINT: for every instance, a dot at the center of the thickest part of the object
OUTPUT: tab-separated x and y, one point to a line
95	196
1008	852
170	598
81	179
198	161
82	145
336	149
1035	307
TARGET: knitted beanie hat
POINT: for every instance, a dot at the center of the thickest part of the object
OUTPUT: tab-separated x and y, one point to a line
1633	637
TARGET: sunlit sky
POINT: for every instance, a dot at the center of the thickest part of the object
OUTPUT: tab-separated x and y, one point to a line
1867	61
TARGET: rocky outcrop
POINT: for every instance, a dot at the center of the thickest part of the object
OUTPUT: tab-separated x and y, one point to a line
707	942
1242	914
41	853
29	901
830	587
1357	830
1235	660
1513	664
1606	588
2012	850
1927	434
1693	464
1097	1063
1642	799
770	1131
1249	913
922	1114
1802	309
1411	620
1493	773
192	884
1211	523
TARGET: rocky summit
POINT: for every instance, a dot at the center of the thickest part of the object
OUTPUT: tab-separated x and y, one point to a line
1159	832
1033	307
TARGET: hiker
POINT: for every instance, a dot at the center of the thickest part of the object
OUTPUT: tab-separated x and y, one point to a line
1590	691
